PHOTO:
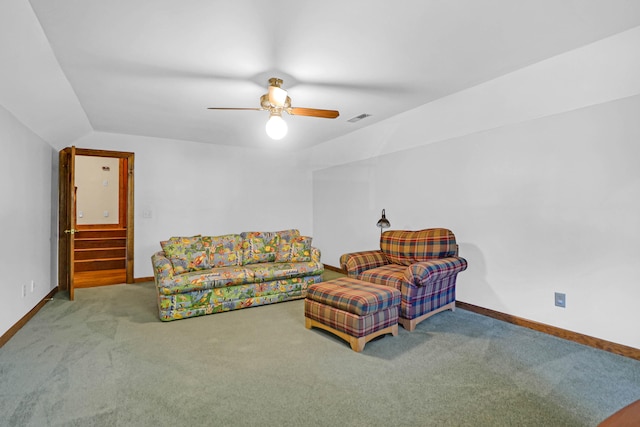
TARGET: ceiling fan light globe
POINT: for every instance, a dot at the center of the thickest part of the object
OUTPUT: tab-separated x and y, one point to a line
276	127
277	96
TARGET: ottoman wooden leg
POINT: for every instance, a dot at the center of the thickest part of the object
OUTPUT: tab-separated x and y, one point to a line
357	344
310	323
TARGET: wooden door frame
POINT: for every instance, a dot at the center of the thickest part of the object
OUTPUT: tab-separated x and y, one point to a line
63	247
66	195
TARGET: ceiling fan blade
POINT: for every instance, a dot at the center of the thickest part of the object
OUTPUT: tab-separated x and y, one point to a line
231	108
313	112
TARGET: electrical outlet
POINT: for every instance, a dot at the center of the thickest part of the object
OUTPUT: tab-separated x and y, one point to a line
561	300
24	290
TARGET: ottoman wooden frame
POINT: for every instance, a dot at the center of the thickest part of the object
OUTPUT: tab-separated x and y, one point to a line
353	310
357	344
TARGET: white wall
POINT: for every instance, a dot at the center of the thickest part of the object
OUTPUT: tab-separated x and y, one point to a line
190	188
543	196
26	173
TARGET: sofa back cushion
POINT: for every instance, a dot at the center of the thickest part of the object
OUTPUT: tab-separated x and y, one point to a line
224	251
408	247
286	235
259	246
297	249
186	253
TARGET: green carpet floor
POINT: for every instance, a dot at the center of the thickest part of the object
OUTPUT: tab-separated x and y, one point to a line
106	360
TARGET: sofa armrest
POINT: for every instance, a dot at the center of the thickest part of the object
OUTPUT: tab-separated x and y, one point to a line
357	262
315	254
162	268
425	272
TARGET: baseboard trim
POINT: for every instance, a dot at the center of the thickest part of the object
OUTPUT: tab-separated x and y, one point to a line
143	279
20	323
590	341
336	269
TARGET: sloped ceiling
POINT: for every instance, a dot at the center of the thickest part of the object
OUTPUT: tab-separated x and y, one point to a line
33	87
152	67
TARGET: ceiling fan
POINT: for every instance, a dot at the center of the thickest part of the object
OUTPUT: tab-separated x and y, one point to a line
276	101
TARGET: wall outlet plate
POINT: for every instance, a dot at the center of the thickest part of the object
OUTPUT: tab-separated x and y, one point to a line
561	300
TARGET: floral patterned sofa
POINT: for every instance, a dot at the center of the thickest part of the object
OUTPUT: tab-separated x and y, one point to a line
201	275
422	265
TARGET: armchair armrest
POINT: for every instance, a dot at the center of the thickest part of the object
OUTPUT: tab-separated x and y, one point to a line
357	262
424	272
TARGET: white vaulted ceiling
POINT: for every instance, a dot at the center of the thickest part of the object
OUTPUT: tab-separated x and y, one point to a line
152	67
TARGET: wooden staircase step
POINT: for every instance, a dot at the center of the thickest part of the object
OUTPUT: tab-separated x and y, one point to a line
87	279
99	264
94	243
94	233
99	253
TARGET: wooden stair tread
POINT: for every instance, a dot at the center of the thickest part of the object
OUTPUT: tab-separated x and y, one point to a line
100	249
107	248
101	238
99	264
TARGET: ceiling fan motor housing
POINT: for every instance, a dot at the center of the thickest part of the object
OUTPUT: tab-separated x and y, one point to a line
276	101
266	103
277	96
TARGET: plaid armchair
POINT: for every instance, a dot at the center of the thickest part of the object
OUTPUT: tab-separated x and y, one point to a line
422	264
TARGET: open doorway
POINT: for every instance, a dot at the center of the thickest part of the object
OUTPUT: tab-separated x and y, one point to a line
96	218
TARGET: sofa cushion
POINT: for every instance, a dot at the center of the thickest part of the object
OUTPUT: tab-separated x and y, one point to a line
186	253
284	242
297	249
408	247
283	270
224	251
259	246
287	235
208	279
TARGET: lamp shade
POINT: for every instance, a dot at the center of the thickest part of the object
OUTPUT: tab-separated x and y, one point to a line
383	222
276	127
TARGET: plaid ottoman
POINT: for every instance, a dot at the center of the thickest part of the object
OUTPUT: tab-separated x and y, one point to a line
354	310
